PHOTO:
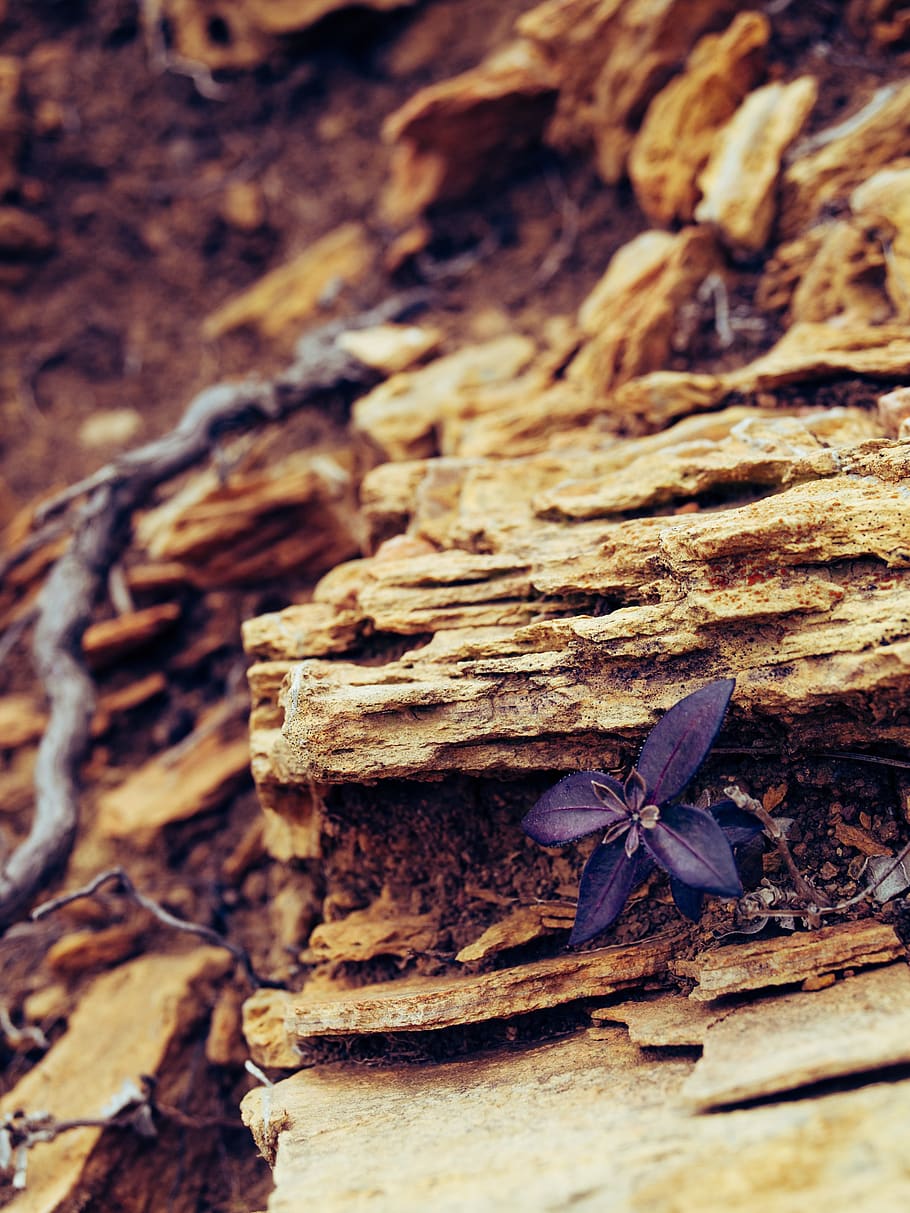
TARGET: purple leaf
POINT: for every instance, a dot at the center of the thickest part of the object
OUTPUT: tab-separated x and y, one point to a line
738	825
688	901
572	809
691	846
608	879
676	746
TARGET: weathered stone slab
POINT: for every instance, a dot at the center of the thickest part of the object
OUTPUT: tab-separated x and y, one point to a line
858	1025
160	996
274	1019
494	1134
671	1020
834	161
739	183
789	959
680	128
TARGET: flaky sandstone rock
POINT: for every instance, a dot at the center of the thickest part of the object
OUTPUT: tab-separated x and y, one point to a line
739	182
599	62
451	135
270	513
241	33
275	1021
402	416
833	162
805	354
523	672
161	998
611	58
843	277
631	315
882	203
682	122
857	1025
468	1134
766	963
290	294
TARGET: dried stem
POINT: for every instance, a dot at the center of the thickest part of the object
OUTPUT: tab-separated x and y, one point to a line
815	900
100	532
874	759
134	1108
163	916
815	903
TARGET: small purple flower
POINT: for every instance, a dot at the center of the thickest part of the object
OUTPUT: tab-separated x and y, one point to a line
640	823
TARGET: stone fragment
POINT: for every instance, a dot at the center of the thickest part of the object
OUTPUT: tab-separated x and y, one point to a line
520	926
382	929
805	353
109	428
110	639
80	951
671	1020
861	840
420	1004
224	1045
739	183
857	1025
500	687
682	122
301	631
401	416
161	998
289	296
631	315
894	412
813	351
196	775
692	460
789	959
267	516
390	348
453	134
240	33
611	57
882	203
839	276
468	1134
22	720
831	164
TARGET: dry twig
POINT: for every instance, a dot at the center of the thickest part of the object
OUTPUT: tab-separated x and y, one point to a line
163	916
100	531
134	1107
811	904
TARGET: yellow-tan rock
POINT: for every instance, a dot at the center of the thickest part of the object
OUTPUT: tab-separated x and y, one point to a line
835	161
882	203
682	122
611	58
241	33
450	135
739	183
631	315
289	295
467	1134
88	1068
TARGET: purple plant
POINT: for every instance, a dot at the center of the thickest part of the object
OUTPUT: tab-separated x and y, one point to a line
643	825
